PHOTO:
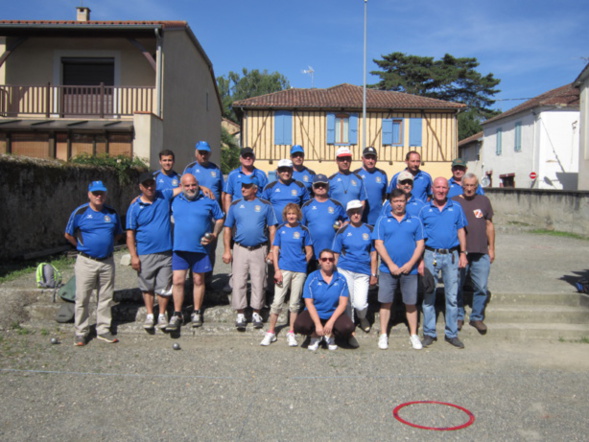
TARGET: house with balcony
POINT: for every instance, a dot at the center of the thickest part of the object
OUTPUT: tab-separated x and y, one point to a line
83	86
321	120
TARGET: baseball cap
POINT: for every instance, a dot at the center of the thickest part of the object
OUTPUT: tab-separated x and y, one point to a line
96	186
250	179
343	152
203	145
146	176
320	178
297	148
354	204
285	163
459	162
369	151
404	175
247	151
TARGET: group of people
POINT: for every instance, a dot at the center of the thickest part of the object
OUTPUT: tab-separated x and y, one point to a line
322	237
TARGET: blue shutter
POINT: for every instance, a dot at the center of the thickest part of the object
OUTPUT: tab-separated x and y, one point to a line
353	129
387	131
330	128
282	127
415	129
518	137
498	141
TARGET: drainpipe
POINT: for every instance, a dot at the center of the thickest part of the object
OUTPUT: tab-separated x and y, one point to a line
158	74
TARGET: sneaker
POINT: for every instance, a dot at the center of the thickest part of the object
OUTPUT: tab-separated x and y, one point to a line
269	338
353	342
330	343
428	340
149	323
196	319
79	341
454	341
365	325
415	342
257	320
383	341
314	344
108	337
291	339
175	323
240	321
162	322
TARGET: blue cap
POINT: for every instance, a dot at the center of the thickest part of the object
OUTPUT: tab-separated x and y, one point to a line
96	186
203	145
297	148
320	178
250	179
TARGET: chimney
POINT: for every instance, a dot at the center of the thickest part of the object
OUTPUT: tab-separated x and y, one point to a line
83	13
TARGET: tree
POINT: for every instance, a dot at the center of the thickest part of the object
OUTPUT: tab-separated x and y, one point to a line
249	84
449	78
229	151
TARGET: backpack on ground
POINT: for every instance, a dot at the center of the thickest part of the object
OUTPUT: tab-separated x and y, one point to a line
582	285
48	277
67	292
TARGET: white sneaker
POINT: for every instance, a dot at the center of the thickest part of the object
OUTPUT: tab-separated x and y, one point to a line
383	341
415	342
257	320
314	344
269	338
162	322
240	321
330	343
291	339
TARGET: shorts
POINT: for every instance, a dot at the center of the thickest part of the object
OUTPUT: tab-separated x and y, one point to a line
156	273
387	285
197	262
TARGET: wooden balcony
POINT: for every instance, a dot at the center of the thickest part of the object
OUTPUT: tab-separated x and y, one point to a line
75	101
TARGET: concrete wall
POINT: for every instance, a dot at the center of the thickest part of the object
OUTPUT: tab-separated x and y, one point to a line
38	196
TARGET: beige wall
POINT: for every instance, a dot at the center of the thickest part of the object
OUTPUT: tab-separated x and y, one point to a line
148	140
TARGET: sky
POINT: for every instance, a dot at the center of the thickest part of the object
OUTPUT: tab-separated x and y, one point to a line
531	46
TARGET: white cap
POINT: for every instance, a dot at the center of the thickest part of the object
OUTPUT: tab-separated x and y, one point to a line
285	163
354	204
343	152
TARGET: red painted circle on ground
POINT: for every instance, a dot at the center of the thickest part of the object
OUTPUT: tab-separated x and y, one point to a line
458	427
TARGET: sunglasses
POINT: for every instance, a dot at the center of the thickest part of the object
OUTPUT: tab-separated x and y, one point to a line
327	259
319	186
406	182
344	159
203	152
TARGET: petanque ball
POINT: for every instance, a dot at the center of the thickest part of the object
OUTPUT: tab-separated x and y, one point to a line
176	346
54	341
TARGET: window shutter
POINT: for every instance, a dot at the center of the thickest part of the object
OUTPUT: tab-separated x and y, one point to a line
518	137
498	141
415	129
282	127
330	128
387	131
353	129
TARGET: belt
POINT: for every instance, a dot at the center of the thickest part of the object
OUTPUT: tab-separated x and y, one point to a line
250	248
442	251
85	255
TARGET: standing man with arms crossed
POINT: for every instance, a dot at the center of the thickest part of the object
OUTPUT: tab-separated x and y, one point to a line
422	181
345	185
375	182
445	251
301	173
480	248
93	229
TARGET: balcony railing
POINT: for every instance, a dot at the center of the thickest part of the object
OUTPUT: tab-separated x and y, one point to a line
75	101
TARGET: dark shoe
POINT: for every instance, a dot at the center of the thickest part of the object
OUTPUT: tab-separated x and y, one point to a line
460	323
428	340
480	326
108	337
365	325
454	341
353	342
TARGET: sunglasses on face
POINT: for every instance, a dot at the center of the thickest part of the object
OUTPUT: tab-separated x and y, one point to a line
344	159
327	259
407	183
203	152
319	186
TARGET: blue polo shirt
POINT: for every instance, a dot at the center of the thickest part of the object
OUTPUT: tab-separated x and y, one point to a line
325	296
95	231
209	176
399	238
347	187
354	245
441	226
319	219
412	208
280	194
163	181
192	219
375	183
151	222
422	185
233	184
305	176
292	242
455	189
250	219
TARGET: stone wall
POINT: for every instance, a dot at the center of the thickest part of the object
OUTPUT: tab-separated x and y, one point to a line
38	196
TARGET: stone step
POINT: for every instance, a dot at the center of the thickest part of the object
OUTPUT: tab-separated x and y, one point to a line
572	299
540	313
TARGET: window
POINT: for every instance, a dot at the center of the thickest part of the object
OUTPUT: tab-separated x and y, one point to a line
88	71
282	127
517	146
498	141
342	128
392	131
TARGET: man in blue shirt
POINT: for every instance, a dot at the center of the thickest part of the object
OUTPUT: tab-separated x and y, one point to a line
192	221
375	182
458	171
233	187
445	251
405	183
422	181
149	240
345	185
250	218
93	229
166	177
285	190
301	173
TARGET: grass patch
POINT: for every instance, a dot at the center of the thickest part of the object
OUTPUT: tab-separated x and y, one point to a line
559	234
10	271
518	223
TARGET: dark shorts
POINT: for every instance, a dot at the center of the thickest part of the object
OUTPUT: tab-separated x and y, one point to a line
387	285
197	262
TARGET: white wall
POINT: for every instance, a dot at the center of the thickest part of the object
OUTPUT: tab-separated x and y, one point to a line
583	182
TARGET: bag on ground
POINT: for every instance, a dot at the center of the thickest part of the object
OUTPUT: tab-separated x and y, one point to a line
48	276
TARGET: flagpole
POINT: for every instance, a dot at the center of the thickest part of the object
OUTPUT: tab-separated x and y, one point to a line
364	81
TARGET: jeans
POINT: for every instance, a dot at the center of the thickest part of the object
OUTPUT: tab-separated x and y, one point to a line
448	264
479	265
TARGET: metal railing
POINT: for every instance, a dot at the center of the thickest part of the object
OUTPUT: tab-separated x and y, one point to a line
72	101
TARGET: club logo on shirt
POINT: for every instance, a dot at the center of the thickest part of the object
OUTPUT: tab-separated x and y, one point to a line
175	183
257	208
330	210
107	219
378	179
214	173
478	213
296	235
306	178
365	236
354	183
293	192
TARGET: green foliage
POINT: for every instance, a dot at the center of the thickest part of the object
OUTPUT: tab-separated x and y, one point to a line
246	85
558	234
121	163
229	152
449	79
